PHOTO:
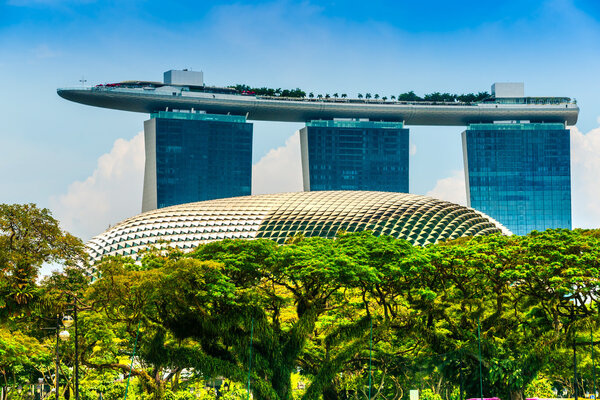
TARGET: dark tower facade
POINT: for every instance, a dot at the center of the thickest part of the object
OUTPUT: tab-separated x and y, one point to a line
194	157
519	174
354	155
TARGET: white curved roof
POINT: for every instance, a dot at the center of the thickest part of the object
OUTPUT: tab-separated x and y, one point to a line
420	220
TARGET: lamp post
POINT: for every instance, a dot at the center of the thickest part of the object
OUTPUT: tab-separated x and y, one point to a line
573	308
63	335
68	322
41	387
575	312
574	354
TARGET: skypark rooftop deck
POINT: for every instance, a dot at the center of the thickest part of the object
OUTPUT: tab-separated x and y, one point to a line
148	98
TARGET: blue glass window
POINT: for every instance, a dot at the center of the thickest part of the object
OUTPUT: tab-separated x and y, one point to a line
202	159
520	174
356	155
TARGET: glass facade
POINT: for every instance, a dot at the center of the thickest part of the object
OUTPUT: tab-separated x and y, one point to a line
201	157
519	174
354	155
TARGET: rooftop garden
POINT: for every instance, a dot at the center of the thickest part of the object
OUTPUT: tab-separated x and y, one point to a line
408	96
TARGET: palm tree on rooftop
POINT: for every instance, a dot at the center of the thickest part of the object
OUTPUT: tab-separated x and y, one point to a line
311	95
384	98
344	95
335	95
368	96
360	96
376	96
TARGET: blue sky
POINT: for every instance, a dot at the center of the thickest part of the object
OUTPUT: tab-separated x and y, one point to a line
52	150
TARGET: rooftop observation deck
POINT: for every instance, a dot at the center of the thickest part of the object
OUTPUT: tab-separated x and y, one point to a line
150	98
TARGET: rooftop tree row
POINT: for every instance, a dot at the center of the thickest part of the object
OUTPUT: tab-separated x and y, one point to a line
408	96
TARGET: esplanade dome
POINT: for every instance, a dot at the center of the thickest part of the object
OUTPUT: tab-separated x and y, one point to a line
420	220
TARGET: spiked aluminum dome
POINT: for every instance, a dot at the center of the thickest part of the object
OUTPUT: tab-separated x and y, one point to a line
420	220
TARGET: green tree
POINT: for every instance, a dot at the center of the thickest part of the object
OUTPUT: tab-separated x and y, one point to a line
224	293
519	289
409	96
19	355
540	387
29	237
124	295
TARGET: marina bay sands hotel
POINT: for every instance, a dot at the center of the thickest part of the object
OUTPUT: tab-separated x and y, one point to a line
198	143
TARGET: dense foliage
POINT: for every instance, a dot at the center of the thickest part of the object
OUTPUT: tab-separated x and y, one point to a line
265	91
408	96
310	319
29	237
445	97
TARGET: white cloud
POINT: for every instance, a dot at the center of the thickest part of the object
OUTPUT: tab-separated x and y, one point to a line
413	149
451	188
280	170
112	193
585	173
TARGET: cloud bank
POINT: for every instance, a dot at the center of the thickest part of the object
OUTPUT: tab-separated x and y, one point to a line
280	170
110	194
585	177
451	188
113	191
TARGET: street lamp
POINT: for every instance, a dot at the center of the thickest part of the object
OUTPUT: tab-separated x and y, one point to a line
575	313
574	351
68	321
41	387
63	335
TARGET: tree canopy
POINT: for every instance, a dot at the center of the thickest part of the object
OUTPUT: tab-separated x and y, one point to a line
29	237
312	319
408	96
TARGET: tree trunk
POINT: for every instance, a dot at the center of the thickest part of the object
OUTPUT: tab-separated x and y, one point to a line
329	392
282	382
516	394
159	392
